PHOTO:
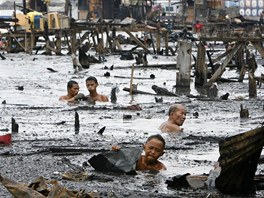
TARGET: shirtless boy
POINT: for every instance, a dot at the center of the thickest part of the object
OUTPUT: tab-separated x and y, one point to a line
91	84
154	149
72	91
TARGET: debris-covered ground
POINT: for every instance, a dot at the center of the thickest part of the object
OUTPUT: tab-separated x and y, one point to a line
46	125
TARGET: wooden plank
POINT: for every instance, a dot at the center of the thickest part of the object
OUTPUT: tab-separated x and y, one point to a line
221	69
220	56
140	78
239	137
239	156
137	91
136	40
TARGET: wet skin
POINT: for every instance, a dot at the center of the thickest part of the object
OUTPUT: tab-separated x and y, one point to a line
176	119
91	86
72	91
153	150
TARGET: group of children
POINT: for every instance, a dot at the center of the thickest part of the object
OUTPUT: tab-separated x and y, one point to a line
155	144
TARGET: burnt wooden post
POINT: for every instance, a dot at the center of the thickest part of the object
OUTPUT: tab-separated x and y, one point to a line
76	123
9	43
152	43
109	40
242	73
73	42
131	79
252	88
14	126
46	33
158	38
32	39
58	42
239	156
166	40
183	78
200	67
239	59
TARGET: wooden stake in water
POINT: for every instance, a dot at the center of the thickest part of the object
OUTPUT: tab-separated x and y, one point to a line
76	123
131	79
14	126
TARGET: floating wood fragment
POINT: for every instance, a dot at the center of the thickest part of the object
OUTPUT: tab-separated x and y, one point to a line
139	78
162	91
137	91
239	156
76	123
15	126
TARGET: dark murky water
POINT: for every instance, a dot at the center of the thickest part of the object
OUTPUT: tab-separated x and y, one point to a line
37	111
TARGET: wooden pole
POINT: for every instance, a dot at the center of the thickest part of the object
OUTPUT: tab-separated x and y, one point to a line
158	41
184	64
58	42
200	67
131	80
242	73
153	45
166	40
32	39
251	78
240	58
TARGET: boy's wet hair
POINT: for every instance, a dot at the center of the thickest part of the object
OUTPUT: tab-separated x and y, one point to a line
158	137
71	83
91	78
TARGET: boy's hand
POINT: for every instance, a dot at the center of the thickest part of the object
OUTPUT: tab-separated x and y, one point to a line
79	96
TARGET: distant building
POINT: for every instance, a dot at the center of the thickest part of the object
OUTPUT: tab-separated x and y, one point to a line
107	9
251	8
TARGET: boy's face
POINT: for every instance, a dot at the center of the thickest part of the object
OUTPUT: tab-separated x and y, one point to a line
153	150
74	89
91	85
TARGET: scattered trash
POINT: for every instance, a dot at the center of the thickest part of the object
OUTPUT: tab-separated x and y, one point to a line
5	139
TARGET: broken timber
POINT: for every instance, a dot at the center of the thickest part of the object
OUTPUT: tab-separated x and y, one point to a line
221	69
137	91
239	156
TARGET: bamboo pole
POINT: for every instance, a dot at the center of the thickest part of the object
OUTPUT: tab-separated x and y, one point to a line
131	80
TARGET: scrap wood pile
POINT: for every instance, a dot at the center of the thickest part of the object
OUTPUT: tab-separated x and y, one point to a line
41	188
239	157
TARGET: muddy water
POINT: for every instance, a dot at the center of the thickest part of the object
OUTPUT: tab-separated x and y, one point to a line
38	112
